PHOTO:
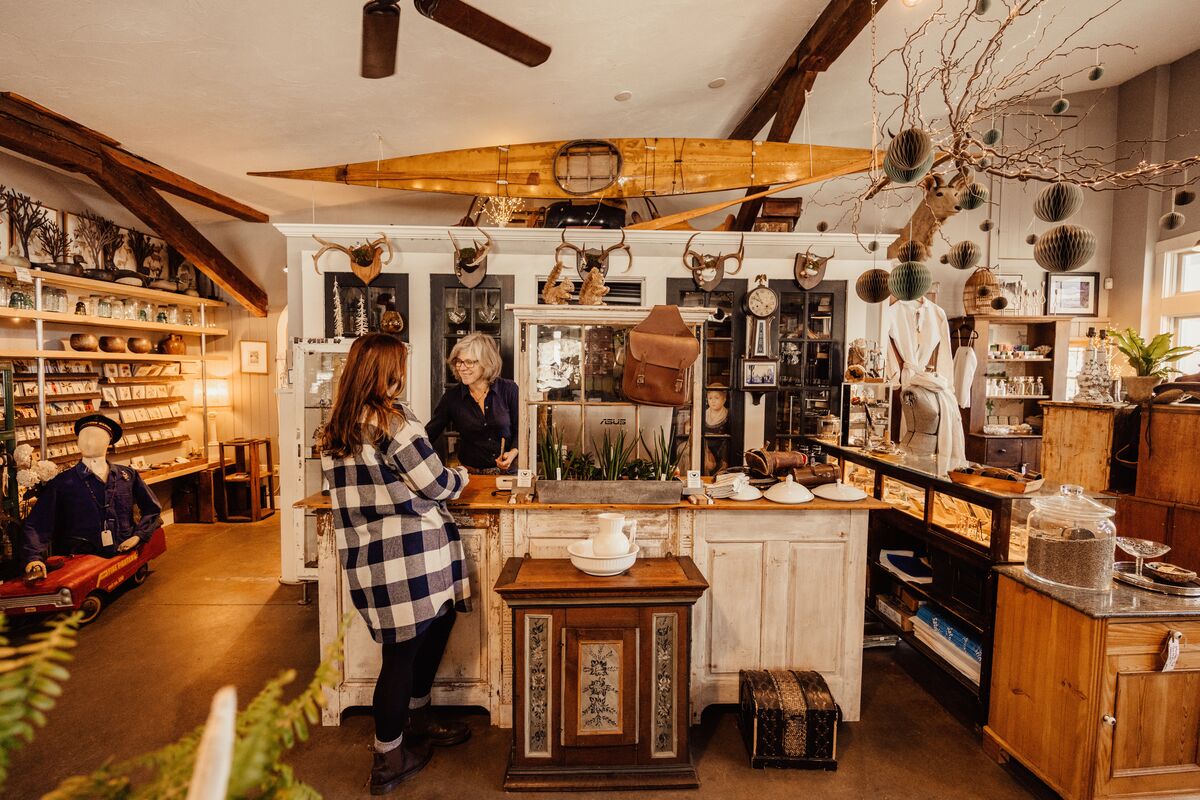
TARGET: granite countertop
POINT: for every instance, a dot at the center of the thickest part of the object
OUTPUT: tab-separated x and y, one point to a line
1121	601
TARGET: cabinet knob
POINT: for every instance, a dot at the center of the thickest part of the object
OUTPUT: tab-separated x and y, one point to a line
1109	720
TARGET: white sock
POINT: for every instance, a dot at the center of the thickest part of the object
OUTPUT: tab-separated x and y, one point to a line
387	747
419	702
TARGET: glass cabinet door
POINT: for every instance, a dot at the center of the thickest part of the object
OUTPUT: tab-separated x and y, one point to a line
458	312
812	330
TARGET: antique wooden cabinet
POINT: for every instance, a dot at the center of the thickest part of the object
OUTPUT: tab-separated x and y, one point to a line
600	679
1082	694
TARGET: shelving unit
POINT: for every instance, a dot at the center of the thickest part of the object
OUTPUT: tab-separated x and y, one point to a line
32	338
722	342
1011	450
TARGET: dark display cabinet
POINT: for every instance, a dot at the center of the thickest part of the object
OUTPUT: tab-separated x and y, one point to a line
812	335
457	312
722	344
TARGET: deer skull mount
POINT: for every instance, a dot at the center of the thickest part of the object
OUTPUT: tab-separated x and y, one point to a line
708	270
366	260
470	263
809	270
590	258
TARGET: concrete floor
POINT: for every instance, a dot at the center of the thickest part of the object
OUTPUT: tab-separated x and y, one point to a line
212	613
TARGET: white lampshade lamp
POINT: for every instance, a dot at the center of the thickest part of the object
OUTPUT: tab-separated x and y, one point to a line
218	397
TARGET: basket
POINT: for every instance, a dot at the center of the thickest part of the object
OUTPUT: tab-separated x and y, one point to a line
975	303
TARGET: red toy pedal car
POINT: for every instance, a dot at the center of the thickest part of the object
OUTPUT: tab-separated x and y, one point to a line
80	582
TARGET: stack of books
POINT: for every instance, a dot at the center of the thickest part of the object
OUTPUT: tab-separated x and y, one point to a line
948	640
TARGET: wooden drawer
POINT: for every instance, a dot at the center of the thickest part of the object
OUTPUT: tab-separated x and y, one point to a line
1003	452
1141	638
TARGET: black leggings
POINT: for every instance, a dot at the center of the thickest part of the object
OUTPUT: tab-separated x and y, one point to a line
407	672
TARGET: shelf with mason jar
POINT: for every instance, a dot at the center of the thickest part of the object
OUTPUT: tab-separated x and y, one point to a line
43	310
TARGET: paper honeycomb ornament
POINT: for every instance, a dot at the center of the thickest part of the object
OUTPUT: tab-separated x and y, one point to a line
1031	239
912	251
991	136
1172	221
910	148
872	286
1060	106
999	303
1184	197
1064	248
982	6
973	196
964	255
900	175
1096	72
1057	202
910	280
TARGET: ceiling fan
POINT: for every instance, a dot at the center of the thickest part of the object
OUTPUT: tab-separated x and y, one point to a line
381	30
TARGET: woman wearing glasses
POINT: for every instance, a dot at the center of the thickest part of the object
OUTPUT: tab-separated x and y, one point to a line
482	408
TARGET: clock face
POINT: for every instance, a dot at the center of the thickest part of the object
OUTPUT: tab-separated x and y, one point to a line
762	301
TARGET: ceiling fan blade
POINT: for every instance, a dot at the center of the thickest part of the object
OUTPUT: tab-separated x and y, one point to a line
380	32
485	29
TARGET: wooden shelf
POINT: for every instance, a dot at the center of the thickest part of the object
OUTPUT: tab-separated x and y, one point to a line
1018	397
105	287
76	355
135	448
912	641
58	398
141	380
152	476
83	321
58	376
1038	360
145	401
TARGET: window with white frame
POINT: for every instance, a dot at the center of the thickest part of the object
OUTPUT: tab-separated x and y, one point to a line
1187	334
1180	307
1187	272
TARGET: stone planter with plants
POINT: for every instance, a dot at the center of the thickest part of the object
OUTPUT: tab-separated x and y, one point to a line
612	475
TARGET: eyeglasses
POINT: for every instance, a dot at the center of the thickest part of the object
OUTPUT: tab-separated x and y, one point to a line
464	363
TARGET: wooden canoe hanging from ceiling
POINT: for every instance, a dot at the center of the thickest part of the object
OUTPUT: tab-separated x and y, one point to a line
597	168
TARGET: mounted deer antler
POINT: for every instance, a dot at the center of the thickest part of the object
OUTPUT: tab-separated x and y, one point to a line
939	203
365	260
702	263
588	259
470	257
809	270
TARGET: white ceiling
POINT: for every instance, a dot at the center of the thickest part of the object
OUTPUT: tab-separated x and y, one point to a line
215	88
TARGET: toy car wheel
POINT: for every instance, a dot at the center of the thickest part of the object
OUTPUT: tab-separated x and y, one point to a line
91	607
140	576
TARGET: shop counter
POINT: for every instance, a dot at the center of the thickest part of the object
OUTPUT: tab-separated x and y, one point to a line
787	590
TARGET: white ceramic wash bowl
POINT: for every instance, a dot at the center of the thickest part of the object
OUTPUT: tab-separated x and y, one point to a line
603	567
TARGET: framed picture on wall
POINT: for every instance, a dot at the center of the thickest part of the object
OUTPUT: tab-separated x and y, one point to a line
253	357
385	289
1073	294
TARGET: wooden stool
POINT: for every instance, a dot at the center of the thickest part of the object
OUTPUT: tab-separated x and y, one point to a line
247	468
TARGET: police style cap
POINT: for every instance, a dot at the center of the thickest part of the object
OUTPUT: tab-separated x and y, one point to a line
100	421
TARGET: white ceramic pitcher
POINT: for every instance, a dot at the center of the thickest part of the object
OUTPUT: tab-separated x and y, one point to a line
611	540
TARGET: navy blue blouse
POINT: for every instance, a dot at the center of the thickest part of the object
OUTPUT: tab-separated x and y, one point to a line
479	432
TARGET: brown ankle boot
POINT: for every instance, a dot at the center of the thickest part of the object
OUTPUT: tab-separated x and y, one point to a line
390	769
424	726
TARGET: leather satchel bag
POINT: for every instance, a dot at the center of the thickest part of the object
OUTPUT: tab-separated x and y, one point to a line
659	356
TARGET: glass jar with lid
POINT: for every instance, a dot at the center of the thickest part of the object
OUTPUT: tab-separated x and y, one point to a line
117	308
1071	540
104	306
145	311
21	295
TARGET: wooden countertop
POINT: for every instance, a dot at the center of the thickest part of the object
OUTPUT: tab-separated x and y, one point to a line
539	579
481	495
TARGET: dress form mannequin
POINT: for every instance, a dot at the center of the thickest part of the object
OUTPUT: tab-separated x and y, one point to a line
92	503
922	416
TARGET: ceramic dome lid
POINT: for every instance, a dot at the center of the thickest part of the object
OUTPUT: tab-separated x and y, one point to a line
747	493
788	491
839	491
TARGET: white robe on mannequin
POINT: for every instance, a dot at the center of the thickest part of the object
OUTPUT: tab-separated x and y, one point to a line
915	329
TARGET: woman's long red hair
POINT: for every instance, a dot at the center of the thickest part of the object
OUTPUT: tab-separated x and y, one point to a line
372	379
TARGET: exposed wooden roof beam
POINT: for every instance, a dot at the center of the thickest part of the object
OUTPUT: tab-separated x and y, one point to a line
36	132
783	99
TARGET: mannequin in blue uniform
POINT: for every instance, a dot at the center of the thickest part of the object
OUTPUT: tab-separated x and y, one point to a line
91	503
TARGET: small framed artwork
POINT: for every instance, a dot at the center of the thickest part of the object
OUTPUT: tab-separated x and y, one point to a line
112	371
126	371
109	394
1011	289
253	356
760	374
123	393
1073	294
139	392
139	463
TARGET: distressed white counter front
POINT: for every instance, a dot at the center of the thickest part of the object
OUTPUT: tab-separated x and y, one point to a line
787	590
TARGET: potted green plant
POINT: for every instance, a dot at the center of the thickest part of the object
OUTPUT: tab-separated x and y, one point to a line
1151	361
613	475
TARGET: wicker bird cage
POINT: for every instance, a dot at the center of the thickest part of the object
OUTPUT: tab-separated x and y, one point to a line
982	287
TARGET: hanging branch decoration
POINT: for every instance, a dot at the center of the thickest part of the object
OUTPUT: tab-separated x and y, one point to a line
143	247
55	242
99	237
500	210
961	72
339	327
26	216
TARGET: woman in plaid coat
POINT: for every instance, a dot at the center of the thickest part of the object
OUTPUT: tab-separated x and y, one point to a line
399	546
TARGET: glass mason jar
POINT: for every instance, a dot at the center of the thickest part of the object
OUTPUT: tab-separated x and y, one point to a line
5	290
1071	540
117	308
21	295
188	317
144	311
104	306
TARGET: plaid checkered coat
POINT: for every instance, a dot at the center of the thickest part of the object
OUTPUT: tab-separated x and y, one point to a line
398	543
